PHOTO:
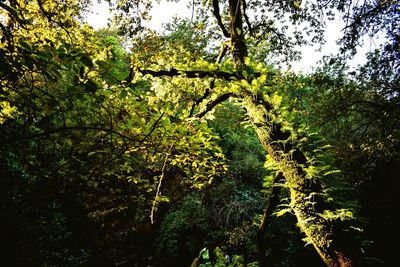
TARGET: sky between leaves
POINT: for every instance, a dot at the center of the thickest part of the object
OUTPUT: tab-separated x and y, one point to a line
164	11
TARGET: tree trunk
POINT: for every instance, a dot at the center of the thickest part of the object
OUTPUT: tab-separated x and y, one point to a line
305	200
239	49
306	203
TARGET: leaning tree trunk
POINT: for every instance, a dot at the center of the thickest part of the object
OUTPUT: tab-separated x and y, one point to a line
306	203
290	161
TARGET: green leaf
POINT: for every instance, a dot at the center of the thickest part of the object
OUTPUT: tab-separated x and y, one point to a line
332	172
281	212
103	65
91	153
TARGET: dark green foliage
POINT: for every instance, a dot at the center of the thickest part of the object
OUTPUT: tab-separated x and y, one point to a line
183	231
224	214
221	216
360	119
285	245
42	222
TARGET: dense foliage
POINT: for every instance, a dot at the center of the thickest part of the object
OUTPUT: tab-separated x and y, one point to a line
127	147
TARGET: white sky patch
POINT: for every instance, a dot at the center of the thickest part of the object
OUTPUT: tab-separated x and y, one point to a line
161	13
164	12
310	56
333	33
100	15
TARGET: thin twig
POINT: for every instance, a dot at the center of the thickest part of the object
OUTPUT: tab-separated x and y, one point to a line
163	173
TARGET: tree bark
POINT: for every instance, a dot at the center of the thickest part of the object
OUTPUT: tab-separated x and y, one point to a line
239	49
306	202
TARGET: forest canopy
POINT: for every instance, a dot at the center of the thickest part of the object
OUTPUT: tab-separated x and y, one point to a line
192	146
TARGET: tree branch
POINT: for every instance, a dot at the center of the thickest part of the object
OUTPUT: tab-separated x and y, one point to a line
49	17
269	29
198	101
153	127
223	52
13	12
163	174
210	105
246	19
197	74
273	202
212	83
219	19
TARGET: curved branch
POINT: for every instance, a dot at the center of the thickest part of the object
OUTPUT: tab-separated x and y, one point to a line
223	52
219	19
163	174
269	29
49	17
246	19
273	202
13	12
153	127
205	95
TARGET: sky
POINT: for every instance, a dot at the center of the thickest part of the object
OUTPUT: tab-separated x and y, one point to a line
161	13
164	11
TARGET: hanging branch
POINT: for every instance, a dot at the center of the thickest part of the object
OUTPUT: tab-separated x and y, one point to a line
272	203
13	13
49	17
223	52
205	95
212	83
153	127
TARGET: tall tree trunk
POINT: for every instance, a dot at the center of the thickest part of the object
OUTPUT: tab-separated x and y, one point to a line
305	200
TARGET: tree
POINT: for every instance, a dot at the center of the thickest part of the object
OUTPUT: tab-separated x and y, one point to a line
122	132
257	89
